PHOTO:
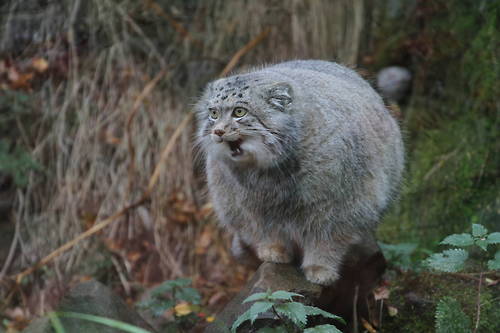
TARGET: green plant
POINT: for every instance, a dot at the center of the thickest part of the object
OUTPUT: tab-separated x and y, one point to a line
178	297
400	255
58	327
449	315
453	260
16	163
290	315
450	318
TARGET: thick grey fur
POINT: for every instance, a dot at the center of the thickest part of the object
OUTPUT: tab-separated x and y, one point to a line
321	160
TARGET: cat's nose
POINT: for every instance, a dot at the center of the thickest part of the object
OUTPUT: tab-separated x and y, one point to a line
219	132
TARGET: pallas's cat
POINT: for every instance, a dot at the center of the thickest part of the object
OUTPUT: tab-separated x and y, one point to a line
302	158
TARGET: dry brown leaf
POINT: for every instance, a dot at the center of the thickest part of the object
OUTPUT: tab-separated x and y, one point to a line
204	240
133	256
40	64
16	313
205	211
20	81
381	293
13	74
217	297
369	327
3	67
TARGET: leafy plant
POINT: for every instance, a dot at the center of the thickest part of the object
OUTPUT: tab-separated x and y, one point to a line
290	315
16	163
453	260
179	297
450	318
168	294
400	255
449	315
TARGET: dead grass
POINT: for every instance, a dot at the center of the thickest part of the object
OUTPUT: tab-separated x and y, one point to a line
105	115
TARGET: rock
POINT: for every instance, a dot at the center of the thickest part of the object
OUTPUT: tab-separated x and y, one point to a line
91	298
363	266
394	83
268	276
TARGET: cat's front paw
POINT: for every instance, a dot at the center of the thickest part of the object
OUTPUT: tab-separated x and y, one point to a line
320	275
274	253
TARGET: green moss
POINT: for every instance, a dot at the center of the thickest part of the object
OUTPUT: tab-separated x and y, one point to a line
416	297
451	122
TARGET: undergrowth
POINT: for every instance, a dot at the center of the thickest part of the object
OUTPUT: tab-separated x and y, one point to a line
451	119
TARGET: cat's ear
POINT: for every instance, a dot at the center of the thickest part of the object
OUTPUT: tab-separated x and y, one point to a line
279	95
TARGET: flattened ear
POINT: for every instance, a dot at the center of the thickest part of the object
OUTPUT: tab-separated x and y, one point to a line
279	95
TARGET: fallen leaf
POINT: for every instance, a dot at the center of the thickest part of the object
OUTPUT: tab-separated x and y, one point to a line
13	74
183	309
210	319
392	311
16	313
205	211
217	298
491	282
40	64
369	327
205	240
133	256
381	293
3	67
20	81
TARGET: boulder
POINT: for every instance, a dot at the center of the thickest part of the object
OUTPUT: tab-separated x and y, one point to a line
93	298
394	83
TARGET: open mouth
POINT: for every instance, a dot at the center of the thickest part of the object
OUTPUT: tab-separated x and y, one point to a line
235	147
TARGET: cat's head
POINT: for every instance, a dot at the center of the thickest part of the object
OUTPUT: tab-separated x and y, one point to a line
247	120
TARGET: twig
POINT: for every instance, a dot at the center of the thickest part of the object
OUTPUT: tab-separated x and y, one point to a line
478	311
95	228
121	275
380	314
236	57
440	163
177	26
12	250
467	276
277	315
166	151
135	108
355	328
152	182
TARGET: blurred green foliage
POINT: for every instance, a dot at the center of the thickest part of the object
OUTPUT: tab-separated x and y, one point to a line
16	163
450	318
15	118
451	120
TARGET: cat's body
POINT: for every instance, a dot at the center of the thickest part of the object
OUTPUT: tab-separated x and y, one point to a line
301	158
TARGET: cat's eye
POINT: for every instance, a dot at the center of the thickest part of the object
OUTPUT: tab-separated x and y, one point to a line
239	112
213	113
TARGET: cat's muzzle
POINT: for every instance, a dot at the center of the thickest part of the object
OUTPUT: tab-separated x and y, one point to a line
235	147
